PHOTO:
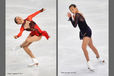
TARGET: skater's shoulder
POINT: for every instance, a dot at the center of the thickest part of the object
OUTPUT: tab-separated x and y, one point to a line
77	14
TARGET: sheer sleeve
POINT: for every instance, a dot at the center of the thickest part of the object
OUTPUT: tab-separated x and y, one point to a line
75	21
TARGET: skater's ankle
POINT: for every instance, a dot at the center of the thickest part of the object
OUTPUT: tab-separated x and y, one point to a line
88	61
33	57
21	46
97	57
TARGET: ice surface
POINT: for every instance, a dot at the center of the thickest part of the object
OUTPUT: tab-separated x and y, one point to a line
44	50
71	58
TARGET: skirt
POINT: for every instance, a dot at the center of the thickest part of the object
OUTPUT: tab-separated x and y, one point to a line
88	33
43	33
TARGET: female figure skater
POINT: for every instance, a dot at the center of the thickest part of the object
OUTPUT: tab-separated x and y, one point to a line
36	33
85	34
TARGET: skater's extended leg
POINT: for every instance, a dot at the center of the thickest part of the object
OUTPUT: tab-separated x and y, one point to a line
84	47
93	48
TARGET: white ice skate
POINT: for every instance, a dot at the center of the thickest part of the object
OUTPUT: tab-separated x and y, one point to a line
34	63
90	67
100	60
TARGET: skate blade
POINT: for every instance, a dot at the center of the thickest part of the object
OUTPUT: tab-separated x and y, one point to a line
93	70
102	61
33	65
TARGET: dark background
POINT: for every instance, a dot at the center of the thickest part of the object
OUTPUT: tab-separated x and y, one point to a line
2	37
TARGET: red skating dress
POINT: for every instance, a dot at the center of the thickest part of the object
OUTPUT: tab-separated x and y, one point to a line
35	30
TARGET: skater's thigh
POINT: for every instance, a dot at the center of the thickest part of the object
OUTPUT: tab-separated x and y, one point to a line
29	36
33	38
90	42
85	41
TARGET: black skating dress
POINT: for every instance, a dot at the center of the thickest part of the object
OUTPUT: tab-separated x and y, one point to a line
85	30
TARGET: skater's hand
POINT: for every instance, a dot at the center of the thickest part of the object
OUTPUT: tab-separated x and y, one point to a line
69	14
15	36
43	9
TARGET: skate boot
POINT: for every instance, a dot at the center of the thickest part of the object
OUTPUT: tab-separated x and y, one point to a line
34	62
100	60
90	67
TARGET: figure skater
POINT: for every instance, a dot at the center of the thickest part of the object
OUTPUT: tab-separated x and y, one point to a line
85	34
36	33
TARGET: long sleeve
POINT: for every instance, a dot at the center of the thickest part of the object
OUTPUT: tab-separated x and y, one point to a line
21	31
29	18
36	27
75	22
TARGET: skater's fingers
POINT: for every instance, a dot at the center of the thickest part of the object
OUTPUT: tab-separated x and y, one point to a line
68	14
15	37
44	9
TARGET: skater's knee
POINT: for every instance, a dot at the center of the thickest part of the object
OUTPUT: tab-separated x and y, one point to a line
24	47
91	46
83	47
28	40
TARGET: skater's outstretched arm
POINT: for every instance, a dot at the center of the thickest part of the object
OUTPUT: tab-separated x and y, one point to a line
34	14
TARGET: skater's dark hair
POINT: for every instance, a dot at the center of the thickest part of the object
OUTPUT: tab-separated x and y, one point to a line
72	5
15	20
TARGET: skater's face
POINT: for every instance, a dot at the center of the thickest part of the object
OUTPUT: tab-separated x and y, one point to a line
73	9
19	20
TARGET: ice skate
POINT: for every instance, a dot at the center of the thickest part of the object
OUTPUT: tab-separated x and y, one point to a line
34	63
90	67
100	60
